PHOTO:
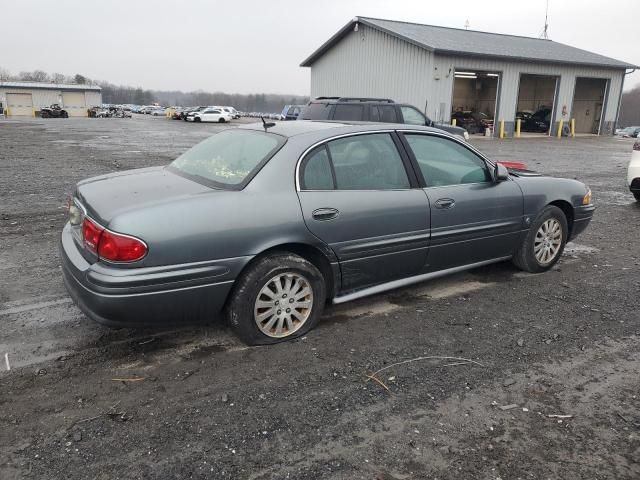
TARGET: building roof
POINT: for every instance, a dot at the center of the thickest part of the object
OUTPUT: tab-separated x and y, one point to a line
49	86
455	41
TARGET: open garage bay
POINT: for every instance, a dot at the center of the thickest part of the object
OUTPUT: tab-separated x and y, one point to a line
549	387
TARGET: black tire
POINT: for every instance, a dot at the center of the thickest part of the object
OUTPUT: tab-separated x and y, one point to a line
197	119
242	300
65	115
222	120
525	258
44	115
637	196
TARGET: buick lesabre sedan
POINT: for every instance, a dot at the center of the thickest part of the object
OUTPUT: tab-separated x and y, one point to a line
265	224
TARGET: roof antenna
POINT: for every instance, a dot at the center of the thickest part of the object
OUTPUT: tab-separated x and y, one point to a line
267	124
545	31
467	24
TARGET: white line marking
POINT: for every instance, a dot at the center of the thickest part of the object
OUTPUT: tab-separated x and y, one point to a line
34	306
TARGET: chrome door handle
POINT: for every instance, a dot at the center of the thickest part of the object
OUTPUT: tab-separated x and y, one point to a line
324	214
445	203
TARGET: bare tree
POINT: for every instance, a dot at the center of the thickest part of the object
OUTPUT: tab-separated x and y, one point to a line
35	76
58	78
5	75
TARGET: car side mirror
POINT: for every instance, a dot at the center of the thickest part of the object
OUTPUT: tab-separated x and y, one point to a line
500	173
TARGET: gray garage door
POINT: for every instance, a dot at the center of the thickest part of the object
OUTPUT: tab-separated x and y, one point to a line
20	104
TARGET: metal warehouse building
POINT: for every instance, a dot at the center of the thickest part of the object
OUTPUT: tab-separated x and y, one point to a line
445	70
25	99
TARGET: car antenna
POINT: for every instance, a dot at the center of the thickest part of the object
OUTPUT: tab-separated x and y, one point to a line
267	124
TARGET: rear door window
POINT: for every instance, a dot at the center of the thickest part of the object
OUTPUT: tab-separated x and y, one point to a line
412	116
316	111
348	112
317	171
368	162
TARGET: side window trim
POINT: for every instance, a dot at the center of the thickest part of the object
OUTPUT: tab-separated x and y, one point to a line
414	161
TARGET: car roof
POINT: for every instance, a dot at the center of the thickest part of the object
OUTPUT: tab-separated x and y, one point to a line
302	127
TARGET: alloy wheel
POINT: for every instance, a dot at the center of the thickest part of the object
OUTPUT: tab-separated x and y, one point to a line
548	241
283	305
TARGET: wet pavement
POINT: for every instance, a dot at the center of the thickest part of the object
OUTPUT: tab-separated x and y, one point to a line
562	343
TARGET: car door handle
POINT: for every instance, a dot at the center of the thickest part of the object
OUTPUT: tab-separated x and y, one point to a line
445	203
325	214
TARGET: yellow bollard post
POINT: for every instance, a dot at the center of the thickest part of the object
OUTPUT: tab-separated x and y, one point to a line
518	125
454	122
560	125
501	129
573	127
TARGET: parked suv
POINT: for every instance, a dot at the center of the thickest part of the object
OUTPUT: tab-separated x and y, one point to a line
371	110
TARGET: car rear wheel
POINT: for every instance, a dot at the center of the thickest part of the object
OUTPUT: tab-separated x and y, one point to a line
544	243
637	196
221	120
197	119
279	297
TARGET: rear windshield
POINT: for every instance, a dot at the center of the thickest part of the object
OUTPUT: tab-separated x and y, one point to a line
228	159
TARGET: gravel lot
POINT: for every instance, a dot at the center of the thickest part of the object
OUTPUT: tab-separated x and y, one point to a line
555	392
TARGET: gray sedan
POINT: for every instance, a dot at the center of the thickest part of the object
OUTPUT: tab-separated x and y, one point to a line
265	224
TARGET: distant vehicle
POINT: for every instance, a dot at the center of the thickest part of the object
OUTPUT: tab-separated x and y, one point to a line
54	111
158	112
146	110
291	112
192	111
234	113
371	110
210	115
264	227
633	173
473	122
629	132
532	123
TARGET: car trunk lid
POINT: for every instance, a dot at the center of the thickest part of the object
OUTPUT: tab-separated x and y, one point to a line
105	196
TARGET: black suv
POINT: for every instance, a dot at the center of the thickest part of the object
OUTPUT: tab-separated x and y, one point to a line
371	110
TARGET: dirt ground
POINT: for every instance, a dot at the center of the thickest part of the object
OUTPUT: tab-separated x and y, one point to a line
553	391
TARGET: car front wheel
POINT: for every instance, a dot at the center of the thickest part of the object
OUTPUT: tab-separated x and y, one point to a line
637	196
544	243
279	297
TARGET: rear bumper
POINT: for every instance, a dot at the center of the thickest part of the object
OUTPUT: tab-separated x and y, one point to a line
152	296
582	216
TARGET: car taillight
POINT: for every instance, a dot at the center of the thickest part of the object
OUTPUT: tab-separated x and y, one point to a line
116	247
111	246
91	235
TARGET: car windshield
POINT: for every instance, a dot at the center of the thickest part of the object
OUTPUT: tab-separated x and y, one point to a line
227	159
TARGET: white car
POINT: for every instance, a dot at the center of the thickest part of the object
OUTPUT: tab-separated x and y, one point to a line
210	115
232	111
633	174
158	112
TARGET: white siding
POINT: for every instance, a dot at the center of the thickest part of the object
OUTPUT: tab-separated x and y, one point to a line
510	80
370	63
46	97
94	99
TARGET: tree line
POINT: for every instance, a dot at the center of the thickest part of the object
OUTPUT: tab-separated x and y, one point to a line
630	108
124	94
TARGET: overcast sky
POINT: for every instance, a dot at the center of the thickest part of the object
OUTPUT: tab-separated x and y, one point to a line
244	46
